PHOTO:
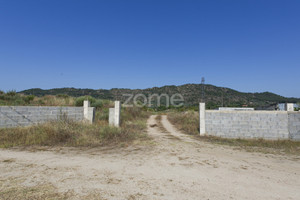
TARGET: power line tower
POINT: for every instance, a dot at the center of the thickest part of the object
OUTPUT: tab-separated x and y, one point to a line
203	89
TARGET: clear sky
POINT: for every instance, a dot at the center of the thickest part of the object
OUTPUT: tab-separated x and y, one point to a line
247	45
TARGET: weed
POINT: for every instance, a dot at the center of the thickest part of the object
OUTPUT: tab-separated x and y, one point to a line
187	121
66	132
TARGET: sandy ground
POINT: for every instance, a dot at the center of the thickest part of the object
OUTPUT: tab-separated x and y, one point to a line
173	166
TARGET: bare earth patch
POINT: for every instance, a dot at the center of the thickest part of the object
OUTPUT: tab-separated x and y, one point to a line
172	166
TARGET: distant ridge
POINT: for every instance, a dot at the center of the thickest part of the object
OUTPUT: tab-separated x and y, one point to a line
214	96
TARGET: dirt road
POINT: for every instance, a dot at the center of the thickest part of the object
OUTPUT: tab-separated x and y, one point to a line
173	166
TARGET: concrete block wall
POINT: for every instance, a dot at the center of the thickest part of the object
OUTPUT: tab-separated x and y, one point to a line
248	124
12	116
294	125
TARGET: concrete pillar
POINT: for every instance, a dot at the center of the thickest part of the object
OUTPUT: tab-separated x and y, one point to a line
117	113
111	116
86	105
202	118
114	114
290	107
88	112
91	115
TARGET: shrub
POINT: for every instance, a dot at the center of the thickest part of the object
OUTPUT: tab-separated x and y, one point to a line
107	103
11	93
41	102
79	100
29	98
18	101
62	96
97	104
102	114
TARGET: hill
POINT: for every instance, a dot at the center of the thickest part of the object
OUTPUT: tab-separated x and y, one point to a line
214	96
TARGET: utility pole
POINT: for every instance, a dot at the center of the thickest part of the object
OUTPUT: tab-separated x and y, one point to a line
203	90
222	99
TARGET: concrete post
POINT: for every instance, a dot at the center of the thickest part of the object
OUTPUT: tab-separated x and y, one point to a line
117	113
86	105
114	114
202	118
290	107
88	112
91	115
111	116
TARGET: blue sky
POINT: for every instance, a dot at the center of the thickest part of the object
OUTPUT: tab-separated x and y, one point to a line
250	46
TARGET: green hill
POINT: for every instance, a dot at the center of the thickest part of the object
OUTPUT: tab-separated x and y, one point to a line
214	96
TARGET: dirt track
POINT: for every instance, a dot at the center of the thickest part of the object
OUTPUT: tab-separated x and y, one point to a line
174	167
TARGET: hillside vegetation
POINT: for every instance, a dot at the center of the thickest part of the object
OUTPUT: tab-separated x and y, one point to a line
12	98
214	96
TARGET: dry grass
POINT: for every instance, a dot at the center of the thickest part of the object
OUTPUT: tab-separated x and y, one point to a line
60	133
257	145
134	113
70	133
188	122
45	191
50	100
14	189
15	99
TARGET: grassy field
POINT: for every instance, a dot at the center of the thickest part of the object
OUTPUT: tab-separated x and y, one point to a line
188	122
69	133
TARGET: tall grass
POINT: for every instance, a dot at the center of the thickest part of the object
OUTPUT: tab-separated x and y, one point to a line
133	113
12	98
187	122
15	99
51	134
69	133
